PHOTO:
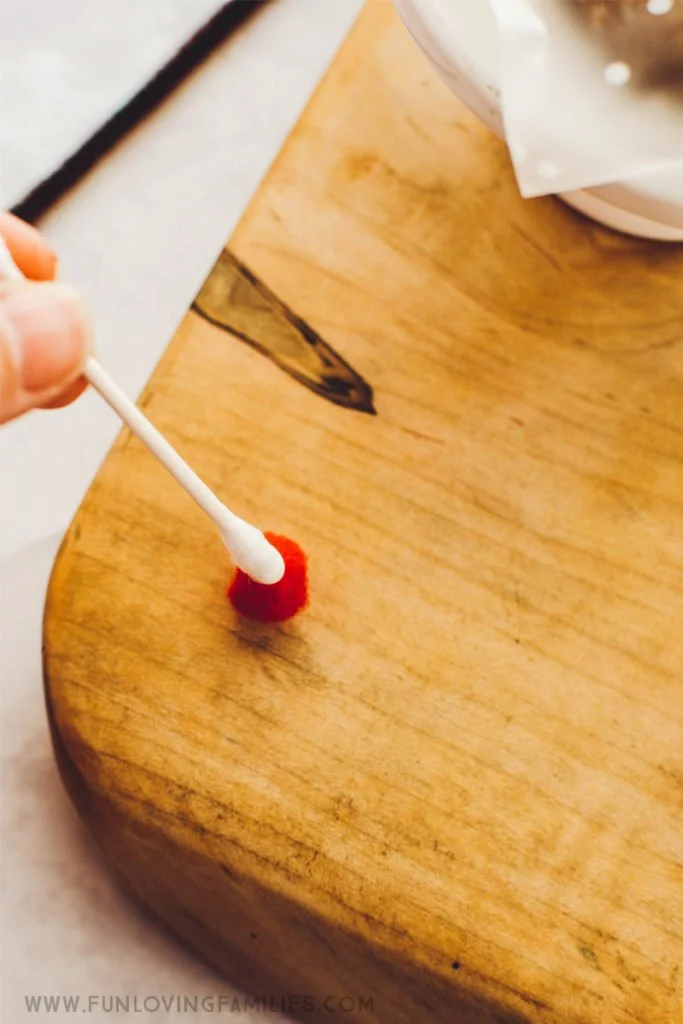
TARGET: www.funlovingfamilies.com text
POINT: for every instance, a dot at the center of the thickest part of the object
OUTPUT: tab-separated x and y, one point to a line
291	1005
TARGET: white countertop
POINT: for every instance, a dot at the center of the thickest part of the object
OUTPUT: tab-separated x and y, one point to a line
137	237
68	67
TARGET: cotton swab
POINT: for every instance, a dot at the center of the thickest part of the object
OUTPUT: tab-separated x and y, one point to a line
258	559
249	549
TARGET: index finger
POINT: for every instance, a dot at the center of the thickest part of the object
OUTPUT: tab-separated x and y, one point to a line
33	255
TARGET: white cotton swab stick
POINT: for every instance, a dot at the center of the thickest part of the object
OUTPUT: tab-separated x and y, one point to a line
249	549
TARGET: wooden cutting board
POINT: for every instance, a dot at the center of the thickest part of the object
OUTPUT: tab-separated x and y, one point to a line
451	791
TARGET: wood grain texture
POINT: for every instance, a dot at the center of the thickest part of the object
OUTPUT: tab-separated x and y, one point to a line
453	787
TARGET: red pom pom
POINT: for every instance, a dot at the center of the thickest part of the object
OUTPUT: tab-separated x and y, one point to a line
279	601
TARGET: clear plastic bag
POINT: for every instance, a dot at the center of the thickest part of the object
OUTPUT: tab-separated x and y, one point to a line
582	99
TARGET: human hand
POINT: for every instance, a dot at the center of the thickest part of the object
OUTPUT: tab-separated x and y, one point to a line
44	329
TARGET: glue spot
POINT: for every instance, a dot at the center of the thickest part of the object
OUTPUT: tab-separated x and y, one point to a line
280	601
617	73
660	6
518	153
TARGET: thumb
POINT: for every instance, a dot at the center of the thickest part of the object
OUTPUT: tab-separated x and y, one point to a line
44	342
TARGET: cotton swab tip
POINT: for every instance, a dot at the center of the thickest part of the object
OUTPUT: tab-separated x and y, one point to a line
276	602
253	554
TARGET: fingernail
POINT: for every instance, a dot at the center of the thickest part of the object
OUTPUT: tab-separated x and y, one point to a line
52	334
